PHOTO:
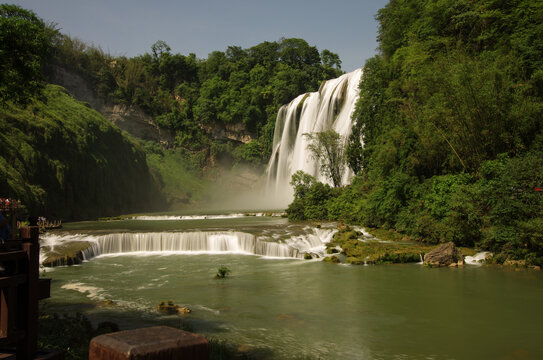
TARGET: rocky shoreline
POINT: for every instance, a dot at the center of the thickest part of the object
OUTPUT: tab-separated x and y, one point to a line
349	246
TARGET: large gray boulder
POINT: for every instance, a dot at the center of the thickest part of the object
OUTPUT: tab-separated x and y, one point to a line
444	255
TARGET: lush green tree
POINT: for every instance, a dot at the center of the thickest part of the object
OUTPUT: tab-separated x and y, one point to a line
447	138
64	160
328	148
25	44
310	198
330	59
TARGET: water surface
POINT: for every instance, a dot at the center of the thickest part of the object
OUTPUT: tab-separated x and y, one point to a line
294	308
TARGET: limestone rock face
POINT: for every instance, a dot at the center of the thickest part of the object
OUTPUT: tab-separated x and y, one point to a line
444	255
128	118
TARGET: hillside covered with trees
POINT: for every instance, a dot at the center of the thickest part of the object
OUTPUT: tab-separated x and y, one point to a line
58	156
238	90
65	160
447	142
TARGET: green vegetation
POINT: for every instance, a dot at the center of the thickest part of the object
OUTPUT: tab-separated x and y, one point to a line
180	179
222	272
64	254
310	198
238	89
373	251
450	117
328	147
63	159
25	44
59	157
71	333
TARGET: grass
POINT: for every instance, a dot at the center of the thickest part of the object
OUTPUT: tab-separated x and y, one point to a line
64	160
181	185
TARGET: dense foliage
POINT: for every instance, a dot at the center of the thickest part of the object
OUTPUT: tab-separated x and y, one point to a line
328	148
64	160
450	118
200	100
25	43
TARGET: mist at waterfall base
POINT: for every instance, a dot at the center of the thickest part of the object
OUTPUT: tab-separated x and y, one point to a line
240	189
330	108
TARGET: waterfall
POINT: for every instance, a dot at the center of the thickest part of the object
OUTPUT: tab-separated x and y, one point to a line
197	242
329	108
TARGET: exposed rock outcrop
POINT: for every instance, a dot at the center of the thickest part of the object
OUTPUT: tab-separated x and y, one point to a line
64	254
234	132
128	118
135	122
444	255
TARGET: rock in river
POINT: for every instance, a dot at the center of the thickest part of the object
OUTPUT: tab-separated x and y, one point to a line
444	255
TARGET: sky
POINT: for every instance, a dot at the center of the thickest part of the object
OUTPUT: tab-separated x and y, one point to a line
130	27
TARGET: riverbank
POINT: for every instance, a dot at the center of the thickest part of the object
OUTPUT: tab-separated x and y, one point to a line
391	247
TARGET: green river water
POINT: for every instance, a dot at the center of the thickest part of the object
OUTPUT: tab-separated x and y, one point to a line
290	308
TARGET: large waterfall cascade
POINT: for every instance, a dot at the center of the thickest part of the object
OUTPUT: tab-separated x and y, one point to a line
329	108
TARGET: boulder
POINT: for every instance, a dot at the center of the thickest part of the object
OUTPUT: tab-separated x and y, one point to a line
444	255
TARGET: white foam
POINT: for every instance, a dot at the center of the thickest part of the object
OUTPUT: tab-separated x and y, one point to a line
91	292
477	259
186	217
205	308
202	217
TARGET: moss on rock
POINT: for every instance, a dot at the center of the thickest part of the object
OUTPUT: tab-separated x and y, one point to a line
332	259
70	253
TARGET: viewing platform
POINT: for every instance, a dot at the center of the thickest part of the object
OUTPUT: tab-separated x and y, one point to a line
20	291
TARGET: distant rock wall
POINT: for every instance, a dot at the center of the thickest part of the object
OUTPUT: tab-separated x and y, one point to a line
234	132
128	118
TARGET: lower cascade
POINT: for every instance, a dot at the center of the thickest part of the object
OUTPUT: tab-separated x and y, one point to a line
330	108
199	242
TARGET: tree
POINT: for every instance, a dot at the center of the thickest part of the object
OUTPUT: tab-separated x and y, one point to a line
301	182
25	43
159	49
330	59
328	147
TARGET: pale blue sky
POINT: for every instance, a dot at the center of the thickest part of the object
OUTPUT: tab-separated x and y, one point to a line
130	27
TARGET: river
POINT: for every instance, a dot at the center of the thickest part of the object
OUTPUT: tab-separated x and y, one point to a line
284	307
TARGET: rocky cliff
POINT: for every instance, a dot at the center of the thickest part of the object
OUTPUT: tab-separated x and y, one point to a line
128	118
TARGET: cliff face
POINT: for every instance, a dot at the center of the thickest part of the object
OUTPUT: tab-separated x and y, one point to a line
128	118
63	159
131	118
234	132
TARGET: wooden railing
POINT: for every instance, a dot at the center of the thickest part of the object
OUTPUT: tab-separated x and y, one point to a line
20	291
